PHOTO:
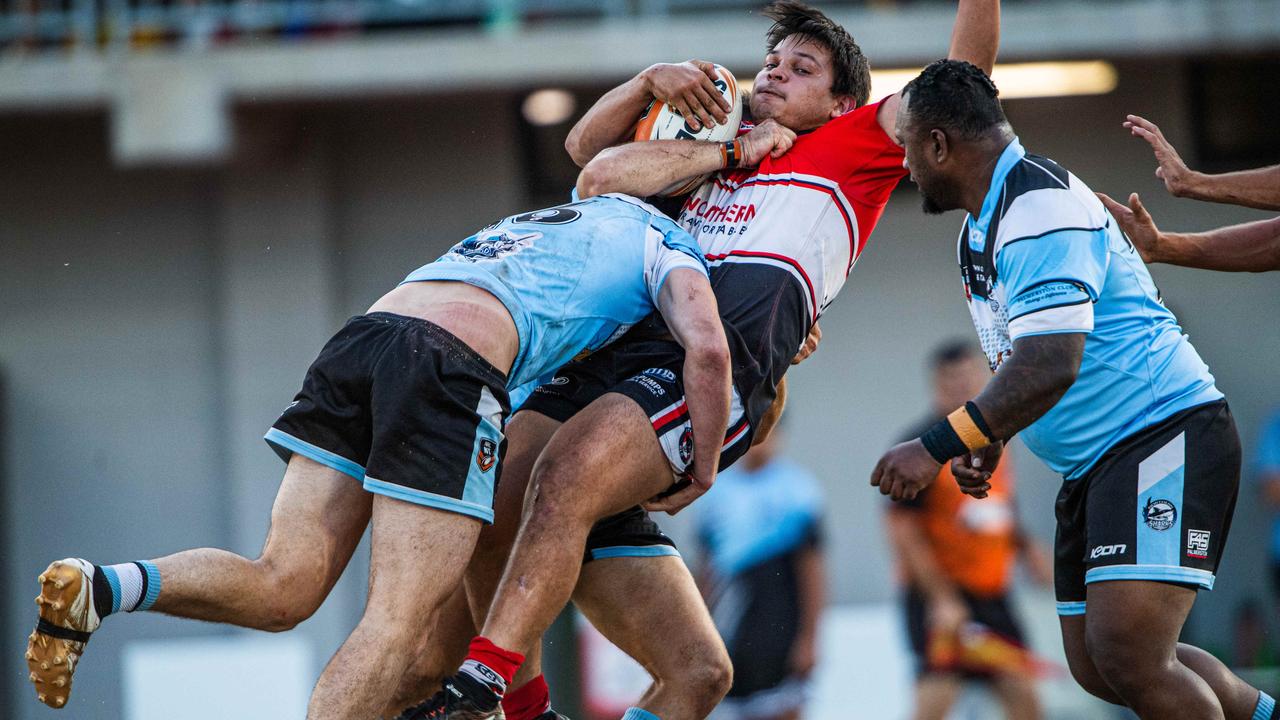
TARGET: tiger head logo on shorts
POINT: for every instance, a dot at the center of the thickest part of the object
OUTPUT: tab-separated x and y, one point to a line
487	455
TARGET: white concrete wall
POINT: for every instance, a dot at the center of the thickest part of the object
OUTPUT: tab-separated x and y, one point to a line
152	324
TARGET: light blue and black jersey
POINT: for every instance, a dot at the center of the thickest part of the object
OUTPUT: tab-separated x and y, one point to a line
754	524
574	277
1044	256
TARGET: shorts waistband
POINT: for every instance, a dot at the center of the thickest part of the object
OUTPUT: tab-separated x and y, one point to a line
446	339
1133	440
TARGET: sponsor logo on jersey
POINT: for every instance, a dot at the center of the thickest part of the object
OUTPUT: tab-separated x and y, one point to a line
686	445
559	380
661	374
492	245
487	455
1107	550
1198	544
1159	514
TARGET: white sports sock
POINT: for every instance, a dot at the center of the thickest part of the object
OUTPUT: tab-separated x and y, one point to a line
126	585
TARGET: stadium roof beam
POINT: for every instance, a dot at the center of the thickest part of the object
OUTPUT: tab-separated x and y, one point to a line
172	105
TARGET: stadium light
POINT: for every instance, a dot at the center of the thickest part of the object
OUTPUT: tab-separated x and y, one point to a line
1023	80
1020	80
549	106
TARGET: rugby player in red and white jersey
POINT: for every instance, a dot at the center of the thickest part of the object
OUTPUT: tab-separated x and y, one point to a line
791	207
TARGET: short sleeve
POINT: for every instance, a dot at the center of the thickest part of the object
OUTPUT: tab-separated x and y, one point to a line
1052	280
666	252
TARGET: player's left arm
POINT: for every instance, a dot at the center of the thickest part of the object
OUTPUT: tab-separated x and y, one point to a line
975	38
1052	279
689	307
811	586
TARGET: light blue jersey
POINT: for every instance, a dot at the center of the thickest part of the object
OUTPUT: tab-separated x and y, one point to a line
574	277
751	516
1046	257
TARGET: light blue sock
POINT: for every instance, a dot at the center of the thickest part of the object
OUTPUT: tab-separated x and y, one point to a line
636	713
1266	706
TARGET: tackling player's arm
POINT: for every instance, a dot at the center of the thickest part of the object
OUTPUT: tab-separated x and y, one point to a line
1037	374
643	169
1249	247
688	87
975	38
689	307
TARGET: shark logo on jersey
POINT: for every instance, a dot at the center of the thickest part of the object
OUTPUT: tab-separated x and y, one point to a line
493	245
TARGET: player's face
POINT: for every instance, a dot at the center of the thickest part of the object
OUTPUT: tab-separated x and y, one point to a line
936	191
794	86
955	383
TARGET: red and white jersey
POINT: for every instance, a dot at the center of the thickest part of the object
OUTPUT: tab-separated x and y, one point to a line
783	237
808	212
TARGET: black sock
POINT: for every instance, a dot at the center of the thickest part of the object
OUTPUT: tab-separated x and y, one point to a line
103	598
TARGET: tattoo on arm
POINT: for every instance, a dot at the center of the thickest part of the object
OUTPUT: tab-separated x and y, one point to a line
1037	374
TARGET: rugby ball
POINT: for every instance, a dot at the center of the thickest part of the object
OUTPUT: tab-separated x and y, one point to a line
663	122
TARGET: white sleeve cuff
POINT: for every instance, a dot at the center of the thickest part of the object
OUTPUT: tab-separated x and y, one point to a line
1064	319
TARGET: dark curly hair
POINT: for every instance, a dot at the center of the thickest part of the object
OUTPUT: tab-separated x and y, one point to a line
851	70
957	96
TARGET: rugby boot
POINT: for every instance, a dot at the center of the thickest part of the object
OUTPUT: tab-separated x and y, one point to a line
463	698
67	617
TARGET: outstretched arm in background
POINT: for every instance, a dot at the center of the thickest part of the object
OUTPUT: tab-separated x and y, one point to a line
1258	188
1250	247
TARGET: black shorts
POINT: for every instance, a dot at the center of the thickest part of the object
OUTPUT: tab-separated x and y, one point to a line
994	612
648	372
1157	506
406	408
631	533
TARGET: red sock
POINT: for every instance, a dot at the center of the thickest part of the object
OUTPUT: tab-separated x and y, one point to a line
527	701
503	662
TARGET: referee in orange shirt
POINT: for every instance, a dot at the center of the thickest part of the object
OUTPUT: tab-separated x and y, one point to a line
956	555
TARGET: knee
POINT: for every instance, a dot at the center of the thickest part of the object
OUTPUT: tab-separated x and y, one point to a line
293	593
553	495
705	678
1127	664
1087	677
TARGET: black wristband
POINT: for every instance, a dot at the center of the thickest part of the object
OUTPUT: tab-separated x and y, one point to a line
942	441
976	415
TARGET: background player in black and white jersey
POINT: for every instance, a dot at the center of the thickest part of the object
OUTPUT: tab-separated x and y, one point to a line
1249	247
1096	377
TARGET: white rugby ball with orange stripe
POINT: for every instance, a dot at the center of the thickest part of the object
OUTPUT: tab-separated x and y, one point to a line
663	122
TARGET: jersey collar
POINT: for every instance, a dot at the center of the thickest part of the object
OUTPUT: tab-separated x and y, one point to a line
1012	155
